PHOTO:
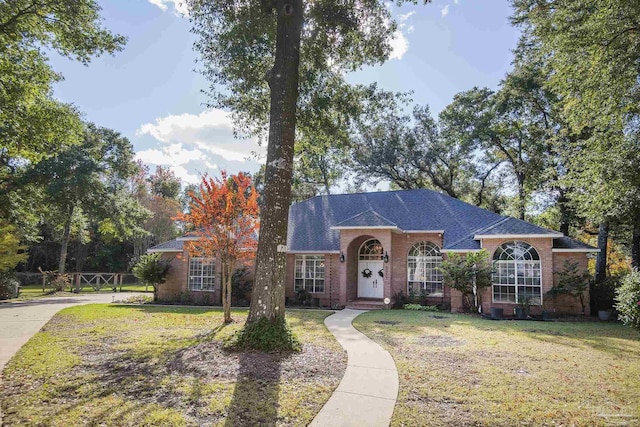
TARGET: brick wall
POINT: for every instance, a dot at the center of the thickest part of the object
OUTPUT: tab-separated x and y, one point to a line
175	288
566	303
331	295
401	244
550	262
543	247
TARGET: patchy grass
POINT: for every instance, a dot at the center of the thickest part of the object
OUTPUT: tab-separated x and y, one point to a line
134	365
465	371
28	292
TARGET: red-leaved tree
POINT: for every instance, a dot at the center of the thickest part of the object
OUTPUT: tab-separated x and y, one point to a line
224	214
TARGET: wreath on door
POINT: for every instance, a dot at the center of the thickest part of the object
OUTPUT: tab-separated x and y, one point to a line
381	273
366	273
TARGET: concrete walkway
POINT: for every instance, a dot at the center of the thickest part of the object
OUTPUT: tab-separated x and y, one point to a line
368	391
20	320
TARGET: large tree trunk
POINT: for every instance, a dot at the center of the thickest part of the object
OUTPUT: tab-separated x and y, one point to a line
522	197
601	260
226	291
565	212
64	245
635	242
268	290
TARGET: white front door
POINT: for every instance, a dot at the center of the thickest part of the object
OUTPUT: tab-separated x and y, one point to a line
372	286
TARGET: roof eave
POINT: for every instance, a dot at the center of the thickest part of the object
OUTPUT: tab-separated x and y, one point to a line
312	252
366	227
575	250
517	236
163	250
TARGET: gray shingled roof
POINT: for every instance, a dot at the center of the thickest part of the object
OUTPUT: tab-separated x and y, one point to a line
170	246
310	221
369	218
511	225
565	242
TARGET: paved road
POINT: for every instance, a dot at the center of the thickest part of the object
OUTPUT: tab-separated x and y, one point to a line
367	394
20	320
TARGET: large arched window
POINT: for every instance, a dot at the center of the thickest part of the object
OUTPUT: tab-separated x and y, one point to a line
423	272
516	277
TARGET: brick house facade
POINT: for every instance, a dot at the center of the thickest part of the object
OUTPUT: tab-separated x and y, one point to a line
370	246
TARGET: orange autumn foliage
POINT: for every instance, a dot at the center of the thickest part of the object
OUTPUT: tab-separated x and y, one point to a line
224	214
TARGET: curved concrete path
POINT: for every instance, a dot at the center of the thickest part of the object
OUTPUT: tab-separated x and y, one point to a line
20	320
368	391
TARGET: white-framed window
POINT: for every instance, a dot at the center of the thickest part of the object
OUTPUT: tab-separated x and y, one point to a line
309	273
423	269
371	250
517	273
202	274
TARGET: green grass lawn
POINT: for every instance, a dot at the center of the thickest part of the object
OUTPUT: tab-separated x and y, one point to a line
116	365
458	370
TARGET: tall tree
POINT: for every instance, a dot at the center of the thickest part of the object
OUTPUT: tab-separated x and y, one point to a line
224	215
260	51
592	49
33	124
498	123
420	152
89	180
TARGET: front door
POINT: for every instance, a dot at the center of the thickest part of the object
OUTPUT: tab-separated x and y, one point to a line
370	279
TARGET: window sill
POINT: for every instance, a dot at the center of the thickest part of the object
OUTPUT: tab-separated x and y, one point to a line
202	290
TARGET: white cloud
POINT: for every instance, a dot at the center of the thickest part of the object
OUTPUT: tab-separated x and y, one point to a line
399	43
175	156
193	144
167	127
444	11
178	6
403	17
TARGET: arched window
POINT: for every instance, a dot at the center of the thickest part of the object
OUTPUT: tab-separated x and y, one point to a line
423	273
371	250
516	276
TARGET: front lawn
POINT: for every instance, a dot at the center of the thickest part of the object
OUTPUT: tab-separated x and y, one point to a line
35	291
133	365
459	370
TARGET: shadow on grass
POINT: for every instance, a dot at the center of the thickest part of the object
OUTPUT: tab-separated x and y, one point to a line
255	397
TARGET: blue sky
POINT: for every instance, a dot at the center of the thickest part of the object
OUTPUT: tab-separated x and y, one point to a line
151	94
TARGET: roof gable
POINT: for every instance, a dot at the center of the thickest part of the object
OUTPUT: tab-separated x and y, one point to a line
366	219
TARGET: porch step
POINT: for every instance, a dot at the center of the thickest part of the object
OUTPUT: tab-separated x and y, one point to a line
366	304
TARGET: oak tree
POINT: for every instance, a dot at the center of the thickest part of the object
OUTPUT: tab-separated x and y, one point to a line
266	59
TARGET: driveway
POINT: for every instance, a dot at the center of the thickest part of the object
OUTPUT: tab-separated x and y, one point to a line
20	320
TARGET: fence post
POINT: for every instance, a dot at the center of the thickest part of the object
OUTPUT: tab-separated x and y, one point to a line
44	280
121	279
78	282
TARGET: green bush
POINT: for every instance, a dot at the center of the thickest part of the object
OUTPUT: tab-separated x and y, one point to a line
399	300
152	269
265	335
628	299
419	307
9	286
